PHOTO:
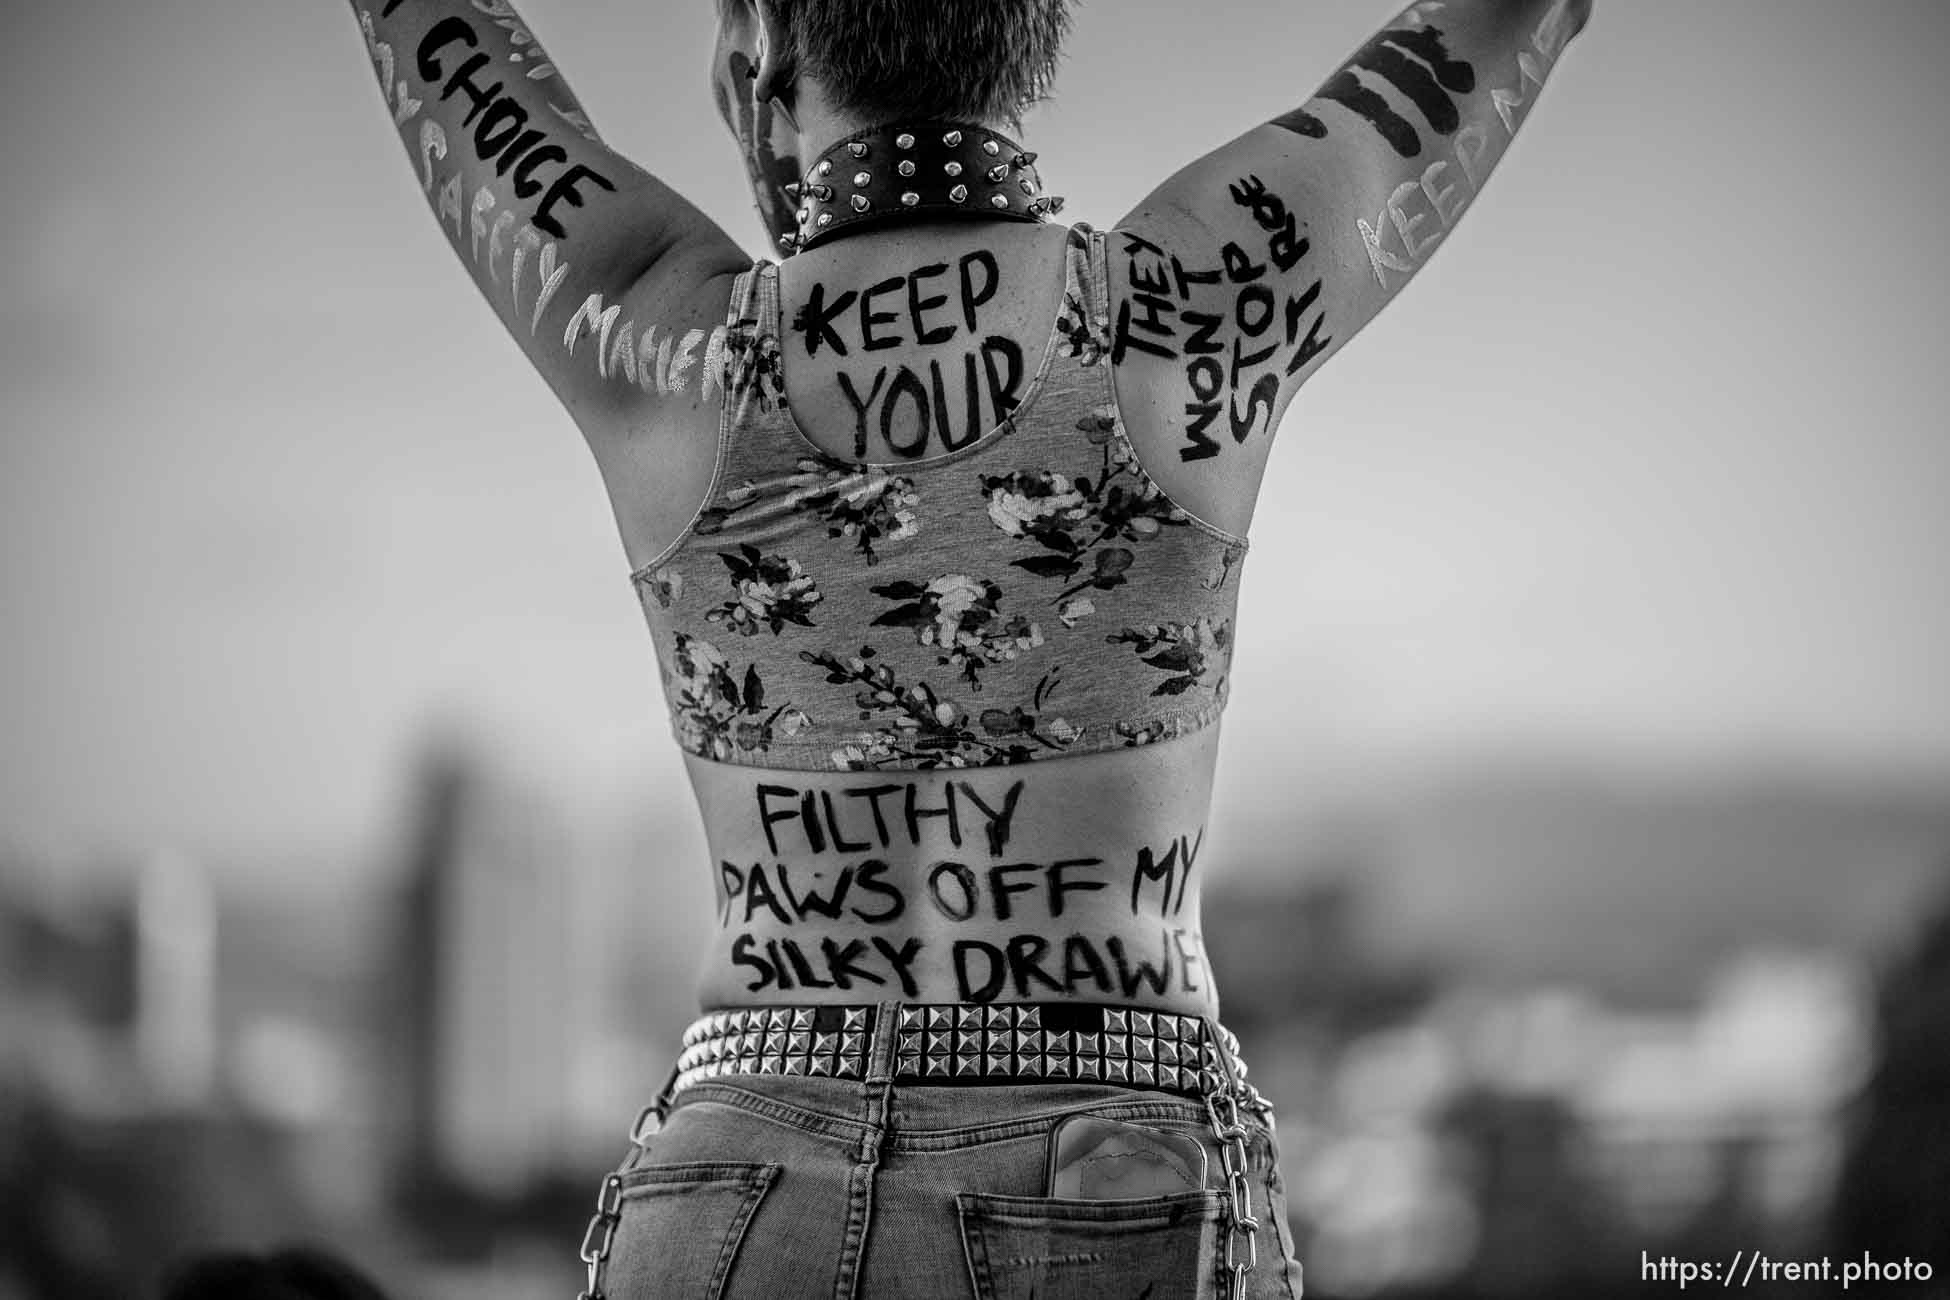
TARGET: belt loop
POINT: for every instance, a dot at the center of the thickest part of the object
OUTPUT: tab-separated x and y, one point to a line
880	1043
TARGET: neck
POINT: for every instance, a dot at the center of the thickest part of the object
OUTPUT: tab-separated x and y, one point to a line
821	126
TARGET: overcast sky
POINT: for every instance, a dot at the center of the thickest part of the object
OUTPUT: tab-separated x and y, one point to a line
1650	466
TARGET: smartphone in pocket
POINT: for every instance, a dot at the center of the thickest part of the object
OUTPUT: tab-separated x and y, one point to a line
1097	1159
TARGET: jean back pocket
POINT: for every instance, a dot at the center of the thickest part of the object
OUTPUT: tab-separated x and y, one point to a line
1045	1248
680	1226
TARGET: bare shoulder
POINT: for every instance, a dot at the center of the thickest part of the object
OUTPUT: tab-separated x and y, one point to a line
1212	326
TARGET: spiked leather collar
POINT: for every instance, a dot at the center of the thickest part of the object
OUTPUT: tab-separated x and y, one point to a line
901	172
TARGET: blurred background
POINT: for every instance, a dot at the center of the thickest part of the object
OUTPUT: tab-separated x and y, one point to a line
1583	843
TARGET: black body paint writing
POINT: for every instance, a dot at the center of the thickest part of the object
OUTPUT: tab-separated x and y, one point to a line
1173	871
1027	966
502	132
785	963
913	410
911	407
1286	247
789	904
1157	318
1416	63
820	823
956	890
977	275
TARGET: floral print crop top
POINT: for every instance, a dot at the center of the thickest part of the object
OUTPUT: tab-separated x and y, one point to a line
1031	595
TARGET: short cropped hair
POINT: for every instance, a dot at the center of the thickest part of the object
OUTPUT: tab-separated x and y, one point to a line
960	59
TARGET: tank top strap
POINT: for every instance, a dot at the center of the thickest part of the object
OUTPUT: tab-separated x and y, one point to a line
748	368
1092	265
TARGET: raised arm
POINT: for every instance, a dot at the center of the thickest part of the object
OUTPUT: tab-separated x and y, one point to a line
1238	277
554	227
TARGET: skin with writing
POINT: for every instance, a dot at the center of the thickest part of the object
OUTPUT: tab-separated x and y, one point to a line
1411	59
503	135
1422	209
1237	327
950	889
939	401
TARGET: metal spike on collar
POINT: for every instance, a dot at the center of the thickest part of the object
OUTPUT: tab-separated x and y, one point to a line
908	185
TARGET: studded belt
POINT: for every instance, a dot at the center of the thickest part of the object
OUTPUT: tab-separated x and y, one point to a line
956	1043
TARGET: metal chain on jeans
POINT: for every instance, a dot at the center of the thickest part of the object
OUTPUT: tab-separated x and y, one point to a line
1222	1109
600	1235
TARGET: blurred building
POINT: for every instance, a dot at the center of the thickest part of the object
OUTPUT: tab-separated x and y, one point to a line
534	980
494	967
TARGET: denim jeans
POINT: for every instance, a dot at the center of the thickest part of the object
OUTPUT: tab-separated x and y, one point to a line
777	1188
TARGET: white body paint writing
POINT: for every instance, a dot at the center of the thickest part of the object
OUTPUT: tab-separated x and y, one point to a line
386	64
519	36
1420	212
655	365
